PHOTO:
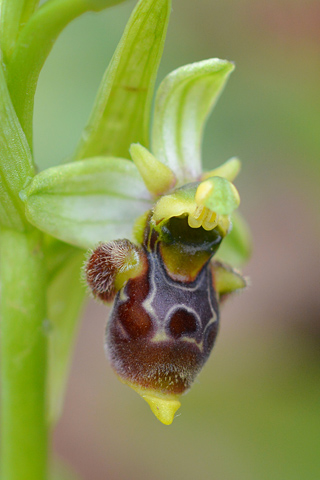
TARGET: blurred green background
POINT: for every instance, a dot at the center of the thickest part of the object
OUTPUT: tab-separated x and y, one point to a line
254	413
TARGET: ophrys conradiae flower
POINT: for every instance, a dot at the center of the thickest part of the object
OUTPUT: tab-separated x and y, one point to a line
165	284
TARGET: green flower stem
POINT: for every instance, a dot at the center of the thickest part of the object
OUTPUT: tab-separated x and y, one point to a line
24	439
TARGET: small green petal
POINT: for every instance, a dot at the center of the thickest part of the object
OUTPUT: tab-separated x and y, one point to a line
229	170
183	103
157	177
219	195
86	202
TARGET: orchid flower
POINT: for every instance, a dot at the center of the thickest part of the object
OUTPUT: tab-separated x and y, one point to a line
151	223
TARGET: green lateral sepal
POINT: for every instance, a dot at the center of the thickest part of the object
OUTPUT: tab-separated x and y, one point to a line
86	202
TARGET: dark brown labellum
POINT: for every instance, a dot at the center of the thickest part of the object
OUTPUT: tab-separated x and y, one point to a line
160	330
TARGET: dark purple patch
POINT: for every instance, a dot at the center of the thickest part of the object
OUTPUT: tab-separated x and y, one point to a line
181	323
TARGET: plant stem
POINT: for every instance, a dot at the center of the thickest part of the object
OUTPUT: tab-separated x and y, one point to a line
24	440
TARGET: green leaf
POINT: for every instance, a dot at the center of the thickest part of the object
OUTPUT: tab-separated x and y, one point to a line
86	202
121	113
15	162
65	299
183	103
33	47
13	14
237	245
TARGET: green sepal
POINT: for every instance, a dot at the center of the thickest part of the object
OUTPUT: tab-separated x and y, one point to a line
226	279
237	246
121	113
34	44
183	103
86	202
65	298
15	161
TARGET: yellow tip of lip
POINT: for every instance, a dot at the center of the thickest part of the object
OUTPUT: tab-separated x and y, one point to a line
163	409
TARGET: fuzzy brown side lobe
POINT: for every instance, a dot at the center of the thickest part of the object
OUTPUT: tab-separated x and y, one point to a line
103	265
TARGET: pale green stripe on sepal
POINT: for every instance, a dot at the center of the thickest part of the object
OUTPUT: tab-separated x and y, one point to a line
236	247
121	113
87	202
15	161
35	42
183	103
